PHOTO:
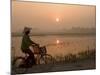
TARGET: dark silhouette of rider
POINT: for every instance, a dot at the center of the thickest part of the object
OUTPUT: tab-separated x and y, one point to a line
26	43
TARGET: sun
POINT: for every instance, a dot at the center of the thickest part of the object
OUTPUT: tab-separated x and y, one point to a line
57	41
57	19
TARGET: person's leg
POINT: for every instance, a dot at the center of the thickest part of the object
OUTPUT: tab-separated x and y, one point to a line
31	57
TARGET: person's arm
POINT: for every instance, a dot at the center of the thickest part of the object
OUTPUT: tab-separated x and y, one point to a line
32	41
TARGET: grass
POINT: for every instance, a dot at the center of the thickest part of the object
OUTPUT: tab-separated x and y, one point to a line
72	58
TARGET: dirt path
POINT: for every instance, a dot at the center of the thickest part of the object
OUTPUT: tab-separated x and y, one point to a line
83	65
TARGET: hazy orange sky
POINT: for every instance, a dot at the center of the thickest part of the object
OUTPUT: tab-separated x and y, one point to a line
42	16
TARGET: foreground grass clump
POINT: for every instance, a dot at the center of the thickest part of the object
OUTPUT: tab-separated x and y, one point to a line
72	58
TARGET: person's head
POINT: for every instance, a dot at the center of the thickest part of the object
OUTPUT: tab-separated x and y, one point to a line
26	30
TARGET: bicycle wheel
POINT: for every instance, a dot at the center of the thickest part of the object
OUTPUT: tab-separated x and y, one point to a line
17	66
17	62
46	59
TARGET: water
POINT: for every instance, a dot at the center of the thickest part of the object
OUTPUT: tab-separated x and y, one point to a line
58	44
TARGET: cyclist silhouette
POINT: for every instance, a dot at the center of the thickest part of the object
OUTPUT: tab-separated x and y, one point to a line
26	43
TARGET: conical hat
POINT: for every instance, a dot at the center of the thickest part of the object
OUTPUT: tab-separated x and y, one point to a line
26	29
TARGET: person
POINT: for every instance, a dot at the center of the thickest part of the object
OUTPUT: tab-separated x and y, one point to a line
26	43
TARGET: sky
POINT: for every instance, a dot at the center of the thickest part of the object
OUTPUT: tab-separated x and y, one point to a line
47	17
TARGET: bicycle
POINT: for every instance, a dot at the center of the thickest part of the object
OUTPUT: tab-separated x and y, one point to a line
40	54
